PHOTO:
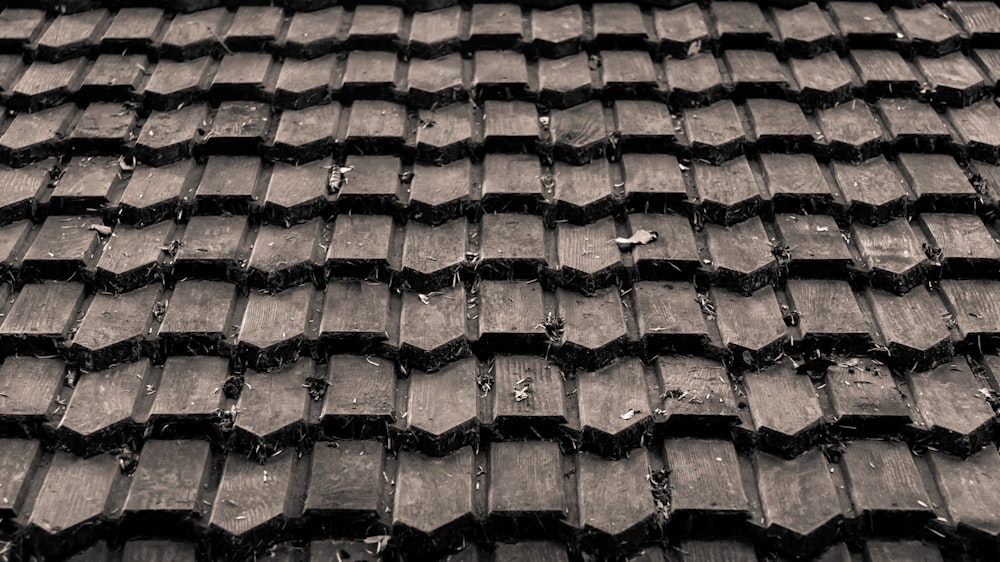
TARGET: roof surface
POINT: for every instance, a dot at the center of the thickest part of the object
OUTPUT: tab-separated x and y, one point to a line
318	282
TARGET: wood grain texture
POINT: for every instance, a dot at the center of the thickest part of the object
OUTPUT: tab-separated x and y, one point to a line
750	323
251	494
526	478
67	239
582	193
546	399
874	190
669	317
44	310
190	387
614	407
271	402
785	409
827	309
356	309
882	478
28	385
508	317
588	256
199	307
18	459
970	490
272	319
130	249
209	238
948	401
976	306
866	395
346	478
436	417
74	492
742	259
675	244
114	327
696	389
169	477
614	495
103	399
278	249
357	387
431	492
798	496
704	477
428	327
913	326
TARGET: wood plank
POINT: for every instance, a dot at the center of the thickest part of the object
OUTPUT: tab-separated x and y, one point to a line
829	315
951	409
532	551
697	395
970	490
360	396
891	255
440	193
529	397
728	193
101	408
815	244
508	319
42	312
512	247
526	488
669	318
714	133
614	407
432	334
285	257
579	134
168	481
511	183
865	399
884	484
432	256
296	193
18	458
252	495
211	247
433	493
705	480
799	499
967	247
115	328
976	308
133	257
785	409
653	182
272	406
595	329
274	327
189	395
197	320
155	194
874	190
356	318
588	258
28	387
752	328
74	492
440	426
228	184
371	185
742	256
345	483
913	327
582	193
728	550
615	497
673	256
62	246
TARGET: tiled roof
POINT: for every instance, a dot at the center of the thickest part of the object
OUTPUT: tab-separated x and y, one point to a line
325	282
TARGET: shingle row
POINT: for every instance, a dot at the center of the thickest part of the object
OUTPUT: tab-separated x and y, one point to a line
954	79
872	192
803	31
428	330
676	492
